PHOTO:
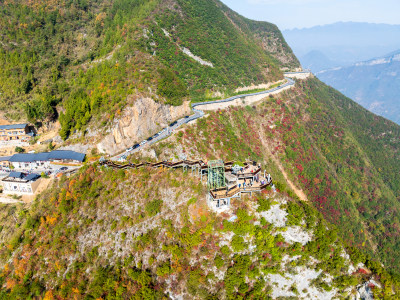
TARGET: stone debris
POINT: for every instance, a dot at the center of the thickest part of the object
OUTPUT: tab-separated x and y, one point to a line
296	234
275	216
282	286
196	58
364	292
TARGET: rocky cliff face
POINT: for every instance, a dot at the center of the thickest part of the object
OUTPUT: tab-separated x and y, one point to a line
139	122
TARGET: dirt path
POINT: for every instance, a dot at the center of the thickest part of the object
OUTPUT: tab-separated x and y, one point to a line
297	191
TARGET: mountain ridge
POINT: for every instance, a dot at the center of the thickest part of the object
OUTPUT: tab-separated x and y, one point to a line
133	56
372	83
152	233
345	43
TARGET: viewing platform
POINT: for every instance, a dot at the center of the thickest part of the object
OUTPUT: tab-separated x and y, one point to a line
227	184
225	180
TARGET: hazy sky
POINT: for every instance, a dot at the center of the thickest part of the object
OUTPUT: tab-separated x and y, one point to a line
288	14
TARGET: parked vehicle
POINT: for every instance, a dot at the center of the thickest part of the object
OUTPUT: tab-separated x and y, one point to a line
173	123
149	139
143	142
63	168
135	146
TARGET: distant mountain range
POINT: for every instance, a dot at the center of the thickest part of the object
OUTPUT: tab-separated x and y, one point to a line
375	84
342	44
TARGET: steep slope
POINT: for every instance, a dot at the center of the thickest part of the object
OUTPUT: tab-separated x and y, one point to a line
87	57
344	158
374	84
146	234
98	234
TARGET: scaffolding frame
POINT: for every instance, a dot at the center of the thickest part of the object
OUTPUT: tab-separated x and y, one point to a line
216	174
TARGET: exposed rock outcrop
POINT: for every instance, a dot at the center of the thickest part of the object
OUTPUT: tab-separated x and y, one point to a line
139	121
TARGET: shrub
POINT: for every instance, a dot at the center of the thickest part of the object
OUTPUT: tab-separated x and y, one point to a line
295	213
226	251
164	269
153	207
238	243
345	281
19	149
192	200
264	204
171	87
219	262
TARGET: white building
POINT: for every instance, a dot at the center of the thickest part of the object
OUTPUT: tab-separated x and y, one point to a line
20	183
43	160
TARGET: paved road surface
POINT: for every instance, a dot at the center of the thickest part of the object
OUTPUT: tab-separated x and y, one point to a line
198	113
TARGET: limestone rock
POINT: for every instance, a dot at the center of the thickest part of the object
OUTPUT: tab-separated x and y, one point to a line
138	122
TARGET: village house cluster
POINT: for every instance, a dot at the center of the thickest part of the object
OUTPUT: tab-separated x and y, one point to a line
26	182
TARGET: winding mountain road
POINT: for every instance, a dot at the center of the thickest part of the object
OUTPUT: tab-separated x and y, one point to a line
198	113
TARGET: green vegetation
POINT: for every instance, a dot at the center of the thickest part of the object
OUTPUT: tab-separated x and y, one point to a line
19	149
136	255
104	234
331	147
153	207
88	59
171	87
344	158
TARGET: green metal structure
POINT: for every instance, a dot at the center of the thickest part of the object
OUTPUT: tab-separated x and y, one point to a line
216	174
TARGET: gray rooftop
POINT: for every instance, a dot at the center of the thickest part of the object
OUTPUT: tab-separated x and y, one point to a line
45	156
13	176
66	154
32	176
5	158
29	157
13	126
16	175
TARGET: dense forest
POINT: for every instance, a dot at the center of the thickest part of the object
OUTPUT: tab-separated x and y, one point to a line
79	60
